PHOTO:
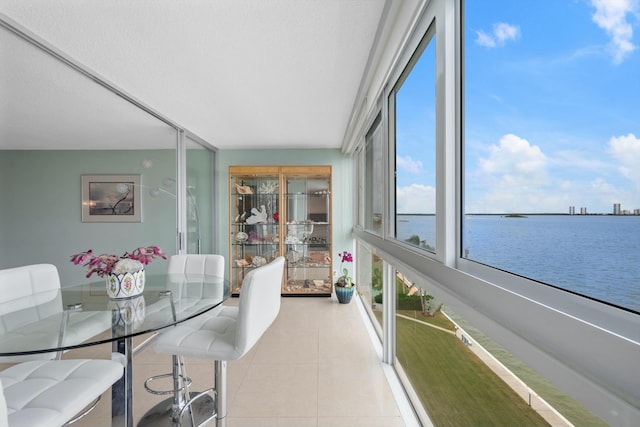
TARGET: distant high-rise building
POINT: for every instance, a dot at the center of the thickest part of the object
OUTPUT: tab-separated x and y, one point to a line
616	209
583	211
572	210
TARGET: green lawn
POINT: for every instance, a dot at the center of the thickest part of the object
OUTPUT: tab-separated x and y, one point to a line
456	388
572	410
437	320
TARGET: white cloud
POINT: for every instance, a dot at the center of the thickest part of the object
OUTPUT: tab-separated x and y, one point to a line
502	33
611	16
626	149
505	32
512	178
581	160
515	162
517	176
605	194
406	163
520	200
416	198
484	39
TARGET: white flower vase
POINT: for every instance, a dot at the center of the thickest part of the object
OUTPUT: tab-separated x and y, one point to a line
125	285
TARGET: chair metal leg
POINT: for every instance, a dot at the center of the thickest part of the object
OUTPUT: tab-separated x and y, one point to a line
183	381
185	408
220	371
84	412
180	390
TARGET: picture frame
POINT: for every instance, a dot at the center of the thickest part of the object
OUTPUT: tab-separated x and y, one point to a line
111	198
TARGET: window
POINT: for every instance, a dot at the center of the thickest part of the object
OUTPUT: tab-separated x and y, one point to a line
481	158
413	101
434	354
552	144
374	178
369	282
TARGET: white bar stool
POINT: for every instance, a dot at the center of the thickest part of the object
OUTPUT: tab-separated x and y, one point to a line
227	335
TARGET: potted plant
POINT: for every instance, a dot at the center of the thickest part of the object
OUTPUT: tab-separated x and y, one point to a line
344	286
125	274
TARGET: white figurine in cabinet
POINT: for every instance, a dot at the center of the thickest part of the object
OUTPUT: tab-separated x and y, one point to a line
257	217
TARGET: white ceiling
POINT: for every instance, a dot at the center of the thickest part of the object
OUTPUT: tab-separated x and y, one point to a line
237	73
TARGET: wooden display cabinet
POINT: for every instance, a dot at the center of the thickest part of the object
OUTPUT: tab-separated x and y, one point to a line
282	210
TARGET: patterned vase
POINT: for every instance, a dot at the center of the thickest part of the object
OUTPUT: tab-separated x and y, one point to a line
125	285
344	294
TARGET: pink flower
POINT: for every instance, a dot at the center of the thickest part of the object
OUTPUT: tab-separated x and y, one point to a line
345	278
346	257
103	264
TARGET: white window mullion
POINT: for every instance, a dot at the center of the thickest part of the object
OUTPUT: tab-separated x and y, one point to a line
446	100
181	194
389	313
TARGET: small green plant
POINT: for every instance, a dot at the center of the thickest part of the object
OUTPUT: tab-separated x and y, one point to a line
376	279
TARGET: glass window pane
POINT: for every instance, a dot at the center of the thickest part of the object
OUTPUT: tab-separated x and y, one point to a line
463	378
373	179
552	144
415	150
369	282
200	185
453	384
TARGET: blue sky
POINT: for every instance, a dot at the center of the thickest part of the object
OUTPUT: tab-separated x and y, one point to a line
552	109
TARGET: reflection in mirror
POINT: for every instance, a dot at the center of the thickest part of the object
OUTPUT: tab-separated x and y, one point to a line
200	167
57	124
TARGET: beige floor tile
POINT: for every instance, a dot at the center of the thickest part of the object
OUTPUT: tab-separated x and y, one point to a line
284	345
315	367
277	391
344	342
272	422
354	388
360	422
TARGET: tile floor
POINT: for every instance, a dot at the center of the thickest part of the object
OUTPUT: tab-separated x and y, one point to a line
316	366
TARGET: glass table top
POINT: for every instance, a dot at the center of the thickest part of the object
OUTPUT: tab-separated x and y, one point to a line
84	315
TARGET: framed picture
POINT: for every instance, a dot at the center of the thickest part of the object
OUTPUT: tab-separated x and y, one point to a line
111	198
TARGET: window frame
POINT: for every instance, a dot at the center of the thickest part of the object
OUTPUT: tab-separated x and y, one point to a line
493	300
401	74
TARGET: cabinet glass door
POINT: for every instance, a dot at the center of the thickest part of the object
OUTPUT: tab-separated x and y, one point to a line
255	229
307	243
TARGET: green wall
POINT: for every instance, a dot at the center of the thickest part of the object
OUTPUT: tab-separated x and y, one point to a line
40	203
342	186
40	208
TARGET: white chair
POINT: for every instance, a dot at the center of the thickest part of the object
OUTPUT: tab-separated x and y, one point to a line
184	274
186	265
209	264
192	267
31	310
227	335
50	393
4	417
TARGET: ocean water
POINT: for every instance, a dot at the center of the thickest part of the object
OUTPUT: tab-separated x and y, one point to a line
593	255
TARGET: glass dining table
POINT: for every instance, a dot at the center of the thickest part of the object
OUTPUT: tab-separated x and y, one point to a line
48	323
